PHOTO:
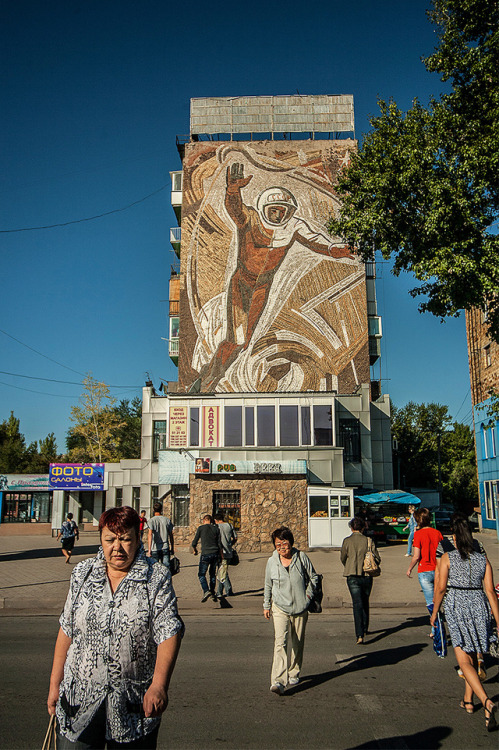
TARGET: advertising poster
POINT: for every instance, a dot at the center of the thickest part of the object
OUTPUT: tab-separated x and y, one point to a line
178	427
76	477
210	426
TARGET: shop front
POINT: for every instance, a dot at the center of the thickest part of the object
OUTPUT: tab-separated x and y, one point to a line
25	498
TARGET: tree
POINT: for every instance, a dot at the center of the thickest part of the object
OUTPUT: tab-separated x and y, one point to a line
93	435
40	455
128	435
431	452
12	447
423	188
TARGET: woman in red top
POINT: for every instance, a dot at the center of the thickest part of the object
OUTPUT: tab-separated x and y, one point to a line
425	543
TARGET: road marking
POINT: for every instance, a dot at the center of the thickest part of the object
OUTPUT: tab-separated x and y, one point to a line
382	731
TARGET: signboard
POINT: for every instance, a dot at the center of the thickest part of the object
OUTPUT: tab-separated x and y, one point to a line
259	467
210	426
202	466
178	427
76	477
24	482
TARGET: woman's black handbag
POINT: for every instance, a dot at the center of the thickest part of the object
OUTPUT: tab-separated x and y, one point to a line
174	566
234	560
315	603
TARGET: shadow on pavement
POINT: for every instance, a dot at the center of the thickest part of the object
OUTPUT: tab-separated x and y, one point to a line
410	622
356	663
253	592
430	739
39	554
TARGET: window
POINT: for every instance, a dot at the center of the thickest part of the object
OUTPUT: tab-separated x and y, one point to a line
266	425
486	354
154	494
194	425
490	490
16	507
249	425
349	439
118	497
180	505
305	425
158	438
86	514
323	426
177	181
485	447
233	425
41	510
228	502
493	445
174	327
136	498
374	325
288	425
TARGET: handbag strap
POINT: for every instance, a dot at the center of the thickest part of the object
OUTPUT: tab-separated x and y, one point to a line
51	736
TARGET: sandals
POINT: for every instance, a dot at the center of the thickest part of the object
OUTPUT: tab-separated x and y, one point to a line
490	720
481	671
468	706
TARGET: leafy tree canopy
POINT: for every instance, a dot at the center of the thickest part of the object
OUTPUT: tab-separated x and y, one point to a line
17	458
424	433
104	430
423	188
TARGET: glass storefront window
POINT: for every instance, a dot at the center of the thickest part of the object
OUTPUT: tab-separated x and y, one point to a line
249	428
323	426
288	425
233	416
318	506
266	425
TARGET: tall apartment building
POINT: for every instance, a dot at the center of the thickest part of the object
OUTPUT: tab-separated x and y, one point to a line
275	417
483	358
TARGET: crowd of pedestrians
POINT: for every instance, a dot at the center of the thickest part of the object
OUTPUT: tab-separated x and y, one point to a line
122	603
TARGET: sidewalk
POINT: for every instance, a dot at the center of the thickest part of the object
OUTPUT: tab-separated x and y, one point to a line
34	577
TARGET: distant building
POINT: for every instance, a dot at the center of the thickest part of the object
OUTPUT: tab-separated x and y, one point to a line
483	357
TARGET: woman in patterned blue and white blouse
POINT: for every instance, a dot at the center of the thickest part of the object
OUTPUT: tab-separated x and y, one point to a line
117	645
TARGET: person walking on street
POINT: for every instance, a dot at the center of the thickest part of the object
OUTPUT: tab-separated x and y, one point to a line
160	536
143	524
228	538
290	580
69	533
353	552
465	578
426	541
411	525
211	554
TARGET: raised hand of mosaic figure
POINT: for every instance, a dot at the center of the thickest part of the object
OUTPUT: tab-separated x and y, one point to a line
235	176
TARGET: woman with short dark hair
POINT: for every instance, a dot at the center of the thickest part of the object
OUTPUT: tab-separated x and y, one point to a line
290	580
465	577
117	645
353	553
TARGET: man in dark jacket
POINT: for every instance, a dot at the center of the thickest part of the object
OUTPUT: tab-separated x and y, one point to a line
211	554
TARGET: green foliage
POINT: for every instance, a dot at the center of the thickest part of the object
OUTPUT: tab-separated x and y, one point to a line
104	430
423	432
423	188
16	458
95	425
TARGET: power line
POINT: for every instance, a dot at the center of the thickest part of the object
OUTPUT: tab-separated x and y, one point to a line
89	218
30	390
40	353
68	382
464	399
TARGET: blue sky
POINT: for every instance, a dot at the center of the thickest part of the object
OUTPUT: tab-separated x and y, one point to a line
94	95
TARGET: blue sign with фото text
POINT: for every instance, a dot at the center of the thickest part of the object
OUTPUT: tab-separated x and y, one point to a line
76	477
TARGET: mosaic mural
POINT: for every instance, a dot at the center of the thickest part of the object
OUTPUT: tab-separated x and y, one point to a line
269	301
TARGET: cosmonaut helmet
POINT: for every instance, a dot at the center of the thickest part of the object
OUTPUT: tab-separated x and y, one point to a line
276	206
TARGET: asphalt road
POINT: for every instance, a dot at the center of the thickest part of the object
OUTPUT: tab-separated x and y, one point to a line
392	692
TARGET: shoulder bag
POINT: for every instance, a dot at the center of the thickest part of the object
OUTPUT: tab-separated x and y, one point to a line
315	604
371	567
174	565
234	560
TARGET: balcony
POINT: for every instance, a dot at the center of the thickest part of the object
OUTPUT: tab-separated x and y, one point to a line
174	307
370	269
175	238
374	349
173	346
176	194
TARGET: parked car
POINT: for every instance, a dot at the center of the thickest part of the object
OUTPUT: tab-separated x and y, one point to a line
441	520
473	521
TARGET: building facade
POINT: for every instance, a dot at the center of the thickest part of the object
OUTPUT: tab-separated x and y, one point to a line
483	357
273	326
